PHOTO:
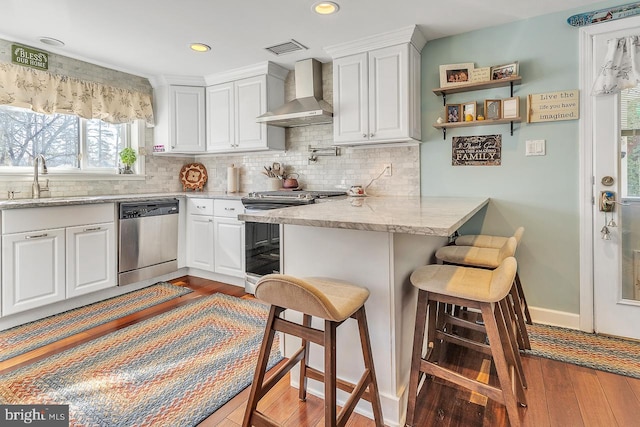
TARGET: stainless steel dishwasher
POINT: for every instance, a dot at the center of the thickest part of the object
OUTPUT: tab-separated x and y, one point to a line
147	240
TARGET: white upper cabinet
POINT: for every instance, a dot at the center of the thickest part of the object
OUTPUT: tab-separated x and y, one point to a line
376	89
233	106
180	119
232	109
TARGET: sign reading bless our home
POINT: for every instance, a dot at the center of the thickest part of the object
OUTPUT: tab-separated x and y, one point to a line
29	57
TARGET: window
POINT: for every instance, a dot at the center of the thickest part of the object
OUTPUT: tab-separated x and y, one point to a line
630	142
67	142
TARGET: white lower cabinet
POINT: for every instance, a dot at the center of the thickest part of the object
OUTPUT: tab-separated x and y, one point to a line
33	272
91	258
50	254
229	246
215	237
200	237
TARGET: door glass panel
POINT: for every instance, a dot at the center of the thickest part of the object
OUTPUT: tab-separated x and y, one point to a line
630	191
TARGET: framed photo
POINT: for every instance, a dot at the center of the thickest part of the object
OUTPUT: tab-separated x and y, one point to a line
511	108
492	109
499	72
454	113
469	111
455	74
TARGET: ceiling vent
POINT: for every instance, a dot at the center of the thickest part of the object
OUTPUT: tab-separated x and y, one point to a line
286	47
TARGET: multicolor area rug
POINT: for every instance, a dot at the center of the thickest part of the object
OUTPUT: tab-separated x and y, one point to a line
580	348
174	369
27	337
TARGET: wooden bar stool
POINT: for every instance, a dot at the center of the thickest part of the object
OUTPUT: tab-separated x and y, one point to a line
484	290
334	301
490	258
495	242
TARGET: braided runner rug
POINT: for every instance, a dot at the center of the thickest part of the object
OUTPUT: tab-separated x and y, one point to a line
32	335
171	370
599	352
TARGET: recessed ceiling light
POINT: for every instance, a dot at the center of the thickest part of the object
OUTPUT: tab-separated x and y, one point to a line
51	41
200	47
325	7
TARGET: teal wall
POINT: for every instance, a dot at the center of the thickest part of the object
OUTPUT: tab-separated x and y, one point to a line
540	192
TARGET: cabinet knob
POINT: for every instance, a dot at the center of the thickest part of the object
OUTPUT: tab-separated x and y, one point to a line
364	135
371	135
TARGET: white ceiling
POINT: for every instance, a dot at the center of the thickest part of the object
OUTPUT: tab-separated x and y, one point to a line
151	37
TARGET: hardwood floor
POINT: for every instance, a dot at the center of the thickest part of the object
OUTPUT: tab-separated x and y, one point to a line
559	394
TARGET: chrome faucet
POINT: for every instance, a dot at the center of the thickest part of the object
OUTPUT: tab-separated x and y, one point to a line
35	187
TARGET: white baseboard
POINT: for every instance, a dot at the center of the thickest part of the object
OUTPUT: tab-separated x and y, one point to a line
555	318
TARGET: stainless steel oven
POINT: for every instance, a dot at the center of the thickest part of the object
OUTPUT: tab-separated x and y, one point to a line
263	248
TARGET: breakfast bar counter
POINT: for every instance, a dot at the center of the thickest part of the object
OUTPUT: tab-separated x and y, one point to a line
374	242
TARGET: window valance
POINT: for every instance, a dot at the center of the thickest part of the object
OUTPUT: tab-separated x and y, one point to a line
621	67
48	93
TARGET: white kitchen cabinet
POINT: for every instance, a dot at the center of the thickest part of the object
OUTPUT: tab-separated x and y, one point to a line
33	269
51	253
229	238
232	109
215	237
376	91
180	119
200	234
91	258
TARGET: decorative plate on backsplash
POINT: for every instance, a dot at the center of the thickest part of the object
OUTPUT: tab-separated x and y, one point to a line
193	176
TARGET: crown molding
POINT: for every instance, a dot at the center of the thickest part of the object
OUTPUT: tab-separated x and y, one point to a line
410	34
268	68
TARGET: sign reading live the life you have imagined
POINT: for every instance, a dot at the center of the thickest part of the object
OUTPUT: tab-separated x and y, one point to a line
29	57
483	150
553	106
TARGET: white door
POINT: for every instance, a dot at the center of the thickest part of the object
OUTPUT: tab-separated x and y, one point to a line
200	242
91	258
388	88
616	171
251	102
229	246
187	121
32	269
220	117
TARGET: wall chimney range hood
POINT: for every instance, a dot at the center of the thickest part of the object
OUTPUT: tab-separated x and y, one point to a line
308	107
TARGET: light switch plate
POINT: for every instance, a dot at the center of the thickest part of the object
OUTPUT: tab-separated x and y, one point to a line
535	147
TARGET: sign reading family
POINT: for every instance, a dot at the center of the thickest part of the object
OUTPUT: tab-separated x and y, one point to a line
553	106
476	150
29	57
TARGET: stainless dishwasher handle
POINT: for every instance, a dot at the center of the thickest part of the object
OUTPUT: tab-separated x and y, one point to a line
93	229
36	236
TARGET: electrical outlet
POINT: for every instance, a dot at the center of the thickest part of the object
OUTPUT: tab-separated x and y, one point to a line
387	169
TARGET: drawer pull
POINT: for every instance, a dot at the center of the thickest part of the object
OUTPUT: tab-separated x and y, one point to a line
36	236
201	207
93	229
229	209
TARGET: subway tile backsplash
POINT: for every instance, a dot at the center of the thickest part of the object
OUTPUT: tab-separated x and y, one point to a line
354	166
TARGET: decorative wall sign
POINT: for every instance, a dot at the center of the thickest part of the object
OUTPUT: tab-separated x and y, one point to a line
485	150
29	57
553	106
480	74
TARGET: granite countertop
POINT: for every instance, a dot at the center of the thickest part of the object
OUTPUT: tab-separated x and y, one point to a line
430	216
84	200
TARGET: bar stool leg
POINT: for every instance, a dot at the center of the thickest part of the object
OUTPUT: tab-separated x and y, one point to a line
501	364
302	391
523	299
261	368
416	358
511	348
374	395
330	373
523	337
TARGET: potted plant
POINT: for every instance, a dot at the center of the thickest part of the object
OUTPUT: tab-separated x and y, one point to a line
128	157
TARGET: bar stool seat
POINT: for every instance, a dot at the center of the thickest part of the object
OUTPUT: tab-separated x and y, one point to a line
495	242
482	289
491	258
330	299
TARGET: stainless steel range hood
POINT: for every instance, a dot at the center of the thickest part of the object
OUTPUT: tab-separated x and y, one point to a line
308	107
